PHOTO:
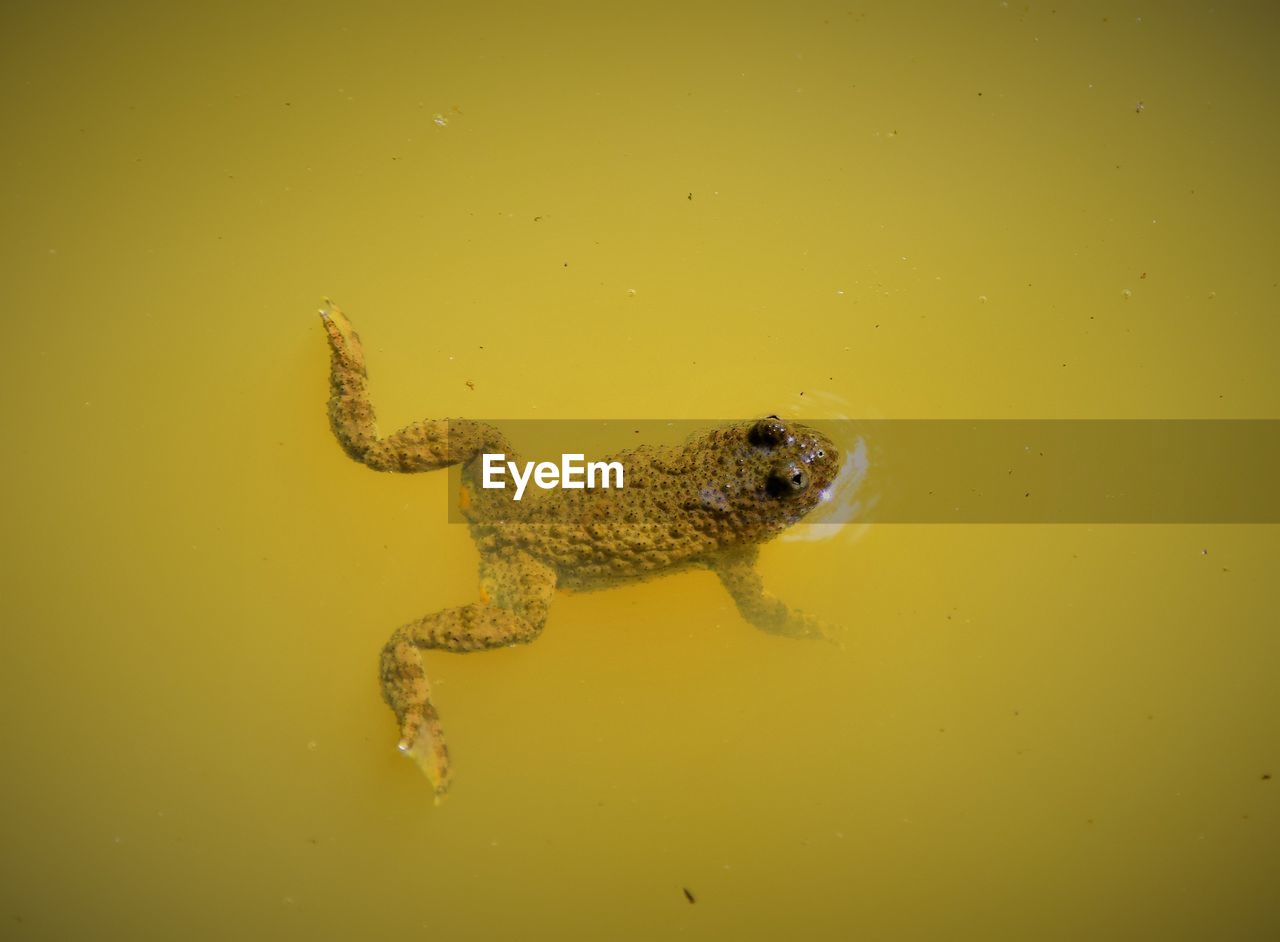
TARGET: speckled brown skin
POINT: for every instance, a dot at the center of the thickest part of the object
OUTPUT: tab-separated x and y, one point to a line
709	503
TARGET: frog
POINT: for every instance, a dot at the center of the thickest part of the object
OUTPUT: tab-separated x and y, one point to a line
709	503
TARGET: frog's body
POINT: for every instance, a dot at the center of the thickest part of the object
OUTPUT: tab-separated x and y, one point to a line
708	503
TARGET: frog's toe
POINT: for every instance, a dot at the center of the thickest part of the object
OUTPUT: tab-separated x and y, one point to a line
423	741
335	322
342	336
832	634
804	625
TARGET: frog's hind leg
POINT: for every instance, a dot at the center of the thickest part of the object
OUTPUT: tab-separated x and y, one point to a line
515	595
422	446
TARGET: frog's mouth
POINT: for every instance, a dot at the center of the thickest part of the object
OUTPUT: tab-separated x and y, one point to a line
840	502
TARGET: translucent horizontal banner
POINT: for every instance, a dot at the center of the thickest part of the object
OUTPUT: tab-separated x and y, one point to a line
875	471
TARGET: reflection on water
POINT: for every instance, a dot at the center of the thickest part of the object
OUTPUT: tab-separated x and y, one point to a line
843	504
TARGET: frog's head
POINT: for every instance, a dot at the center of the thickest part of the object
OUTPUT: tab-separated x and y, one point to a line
770	474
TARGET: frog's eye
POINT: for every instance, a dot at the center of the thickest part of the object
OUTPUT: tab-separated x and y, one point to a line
787	481
767	433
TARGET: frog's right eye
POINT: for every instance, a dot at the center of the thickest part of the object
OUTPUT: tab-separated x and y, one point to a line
787	481
767	433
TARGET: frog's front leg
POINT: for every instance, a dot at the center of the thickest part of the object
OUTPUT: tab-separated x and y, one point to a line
737	571
515	593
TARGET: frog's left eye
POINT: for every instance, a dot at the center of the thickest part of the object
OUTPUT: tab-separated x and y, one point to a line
767	433
787	481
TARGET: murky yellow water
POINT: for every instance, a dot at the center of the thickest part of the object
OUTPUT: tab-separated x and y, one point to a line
878	210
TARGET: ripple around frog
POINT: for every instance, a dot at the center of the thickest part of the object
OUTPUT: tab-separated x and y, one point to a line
840	515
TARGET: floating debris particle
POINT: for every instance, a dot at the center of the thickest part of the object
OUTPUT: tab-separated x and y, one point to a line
688	893
470	385
1126	294
1138	107
439	120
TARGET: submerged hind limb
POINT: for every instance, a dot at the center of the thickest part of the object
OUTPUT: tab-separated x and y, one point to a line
517	592
423	446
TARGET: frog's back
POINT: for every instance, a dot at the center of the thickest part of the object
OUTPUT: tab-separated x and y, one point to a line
597	537
679	506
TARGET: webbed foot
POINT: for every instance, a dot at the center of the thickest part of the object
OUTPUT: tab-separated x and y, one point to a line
423	741
343	339
803	625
